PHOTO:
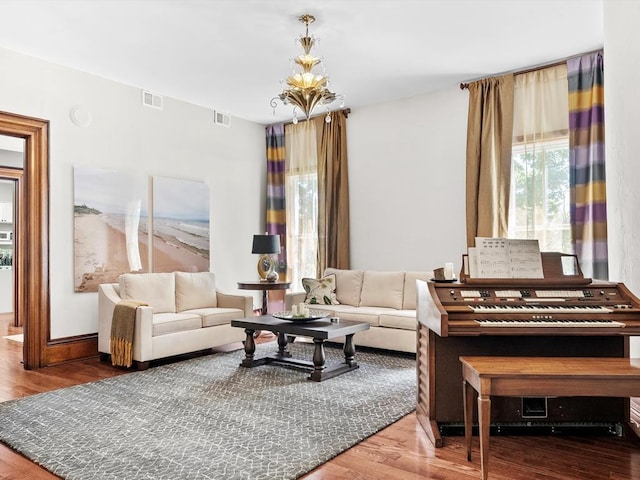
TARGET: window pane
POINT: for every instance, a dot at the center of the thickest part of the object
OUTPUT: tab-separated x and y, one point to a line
540	194
302	227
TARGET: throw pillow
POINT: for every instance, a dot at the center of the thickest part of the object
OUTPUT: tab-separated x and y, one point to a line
320	291
195	290
156	289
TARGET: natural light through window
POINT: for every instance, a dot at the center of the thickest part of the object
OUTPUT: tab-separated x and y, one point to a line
302	226
539	203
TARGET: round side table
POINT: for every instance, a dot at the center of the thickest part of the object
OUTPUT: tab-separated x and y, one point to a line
265	287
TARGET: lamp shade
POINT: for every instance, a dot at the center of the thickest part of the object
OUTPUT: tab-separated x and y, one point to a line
266	244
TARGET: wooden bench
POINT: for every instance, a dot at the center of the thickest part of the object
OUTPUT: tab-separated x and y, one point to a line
539	376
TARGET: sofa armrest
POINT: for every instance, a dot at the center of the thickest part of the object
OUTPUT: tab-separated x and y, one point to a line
143	334
107	300
293	298
243	302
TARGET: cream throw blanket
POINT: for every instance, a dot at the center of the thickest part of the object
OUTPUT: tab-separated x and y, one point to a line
122	328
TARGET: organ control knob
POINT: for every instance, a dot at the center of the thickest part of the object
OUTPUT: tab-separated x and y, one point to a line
452	292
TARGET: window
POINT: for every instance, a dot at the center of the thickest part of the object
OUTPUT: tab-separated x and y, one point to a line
301	184
302	227
539	206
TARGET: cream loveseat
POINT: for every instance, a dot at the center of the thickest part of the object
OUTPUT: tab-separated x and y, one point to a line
185	314
385	300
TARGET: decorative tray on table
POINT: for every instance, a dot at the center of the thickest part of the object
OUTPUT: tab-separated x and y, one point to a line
313	315
447	280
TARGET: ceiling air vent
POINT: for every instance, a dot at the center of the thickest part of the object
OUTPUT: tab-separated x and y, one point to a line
220	118
151	100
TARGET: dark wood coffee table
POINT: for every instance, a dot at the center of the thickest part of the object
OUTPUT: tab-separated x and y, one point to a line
319	330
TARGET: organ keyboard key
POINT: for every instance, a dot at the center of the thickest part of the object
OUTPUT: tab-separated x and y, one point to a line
547	323
499	309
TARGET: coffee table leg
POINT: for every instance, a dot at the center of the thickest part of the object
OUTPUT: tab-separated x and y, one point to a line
249	349
282	346
349	351
318	360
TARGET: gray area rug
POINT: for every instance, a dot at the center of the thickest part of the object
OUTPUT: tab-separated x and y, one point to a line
207	418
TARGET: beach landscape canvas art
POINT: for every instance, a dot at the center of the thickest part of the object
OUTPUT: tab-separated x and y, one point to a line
110	226
180	225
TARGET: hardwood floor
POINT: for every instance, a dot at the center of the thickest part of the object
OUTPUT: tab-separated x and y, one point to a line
400	451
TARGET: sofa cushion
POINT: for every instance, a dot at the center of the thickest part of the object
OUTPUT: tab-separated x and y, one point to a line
382	289
400	319
156	289
371	315
217	316
348	285
320	291
337	310
195	290
409	297
166	323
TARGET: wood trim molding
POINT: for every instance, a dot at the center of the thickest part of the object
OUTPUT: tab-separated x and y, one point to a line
16	174
32	248
72	348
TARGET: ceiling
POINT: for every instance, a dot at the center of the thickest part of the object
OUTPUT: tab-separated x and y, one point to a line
230	55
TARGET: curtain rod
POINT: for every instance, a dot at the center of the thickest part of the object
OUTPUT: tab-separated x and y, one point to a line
465	85
345	112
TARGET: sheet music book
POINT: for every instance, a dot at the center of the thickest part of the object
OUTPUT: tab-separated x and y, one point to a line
472	262
506	258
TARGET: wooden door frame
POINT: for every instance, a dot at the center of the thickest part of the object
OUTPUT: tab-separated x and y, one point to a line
15	175
32	247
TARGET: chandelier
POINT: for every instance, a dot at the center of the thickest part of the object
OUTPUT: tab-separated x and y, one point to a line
306	90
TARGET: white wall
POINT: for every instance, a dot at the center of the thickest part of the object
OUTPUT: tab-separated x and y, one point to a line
180	141
407	182
622	117
9	158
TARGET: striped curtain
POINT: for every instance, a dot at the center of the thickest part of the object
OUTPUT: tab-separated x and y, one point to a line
587	163
276	206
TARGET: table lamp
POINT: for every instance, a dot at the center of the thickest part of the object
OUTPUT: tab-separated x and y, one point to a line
266	245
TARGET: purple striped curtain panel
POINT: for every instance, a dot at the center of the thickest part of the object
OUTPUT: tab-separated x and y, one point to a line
587	163
276	205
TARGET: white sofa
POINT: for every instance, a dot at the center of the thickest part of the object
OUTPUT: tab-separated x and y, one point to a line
186	313
385	300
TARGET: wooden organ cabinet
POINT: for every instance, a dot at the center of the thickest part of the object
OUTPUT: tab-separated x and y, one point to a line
559	315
